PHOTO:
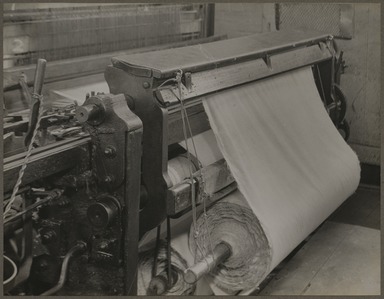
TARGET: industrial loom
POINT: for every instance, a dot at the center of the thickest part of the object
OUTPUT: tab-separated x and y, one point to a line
84	201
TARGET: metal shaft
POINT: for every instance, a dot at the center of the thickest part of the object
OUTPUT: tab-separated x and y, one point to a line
35	100
221	252
87	113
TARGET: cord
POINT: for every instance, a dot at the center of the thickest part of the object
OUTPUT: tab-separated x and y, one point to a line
185	120
26	159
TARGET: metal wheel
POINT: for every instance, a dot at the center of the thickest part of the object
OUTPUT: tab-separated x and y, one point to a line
341	103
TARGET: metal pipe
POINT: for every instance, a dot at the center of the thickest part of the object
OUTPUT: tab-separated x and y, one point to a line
79	247
220	253
87	113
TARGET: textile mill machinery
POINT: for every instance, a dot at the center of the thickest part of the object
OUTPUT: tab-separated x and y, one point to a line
84	201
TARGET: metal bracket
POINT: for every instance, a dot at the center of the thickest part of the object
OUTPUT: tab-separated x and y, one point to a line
187	80
267	60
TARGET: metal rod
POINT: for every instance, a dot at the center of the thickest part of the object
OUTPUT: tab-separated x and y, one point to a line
80	246
25	90
35	113
56	193
170	283
39	76
221	252
87	112
154	268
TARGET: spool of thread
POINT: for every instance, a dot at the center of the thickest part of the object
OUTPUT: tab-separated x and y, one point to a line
231	221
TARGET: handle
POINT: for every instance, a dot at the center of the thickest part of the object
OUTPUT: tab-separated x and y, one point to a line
39	76
35	103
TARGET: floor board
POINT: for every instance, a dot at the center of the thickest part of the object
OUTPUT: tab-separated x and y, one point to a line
341	258
362	208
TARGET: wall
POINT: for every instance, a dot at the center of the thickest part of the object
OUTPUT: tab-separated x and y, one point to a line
240	19
361	81
67	32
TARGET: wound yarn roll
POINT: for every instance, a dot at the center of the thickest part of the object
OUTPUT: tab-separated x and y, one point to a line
233	222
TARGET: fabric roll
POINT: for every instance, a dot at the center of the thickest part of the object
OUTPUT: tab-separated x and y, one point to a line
292	167
232	221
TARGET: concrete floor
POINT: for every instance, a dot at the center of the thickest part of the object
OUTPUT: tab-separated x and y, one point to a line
342	257
362	208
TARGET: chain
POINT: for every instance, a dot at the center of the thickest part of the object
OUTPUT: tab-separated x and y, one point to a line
26	159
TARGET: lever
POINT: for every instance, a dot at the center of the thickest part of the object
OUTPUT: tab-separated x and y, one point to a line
35	103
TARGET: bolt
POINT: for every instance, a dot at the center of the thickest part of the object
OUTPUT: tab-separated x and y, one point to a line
103	246
48	236
108	179
146	85
43	265
110	151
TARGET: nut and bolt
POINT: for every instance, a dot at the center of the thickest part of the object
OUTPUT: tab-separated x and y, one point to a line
43	265
108	179
48	236
110	151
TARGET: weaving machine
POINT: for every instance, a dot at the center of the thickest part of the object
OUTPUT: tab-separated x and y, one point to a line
110	187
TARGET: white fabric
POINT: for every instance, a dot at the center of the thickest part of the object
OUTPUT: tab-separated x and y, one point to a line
289	161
